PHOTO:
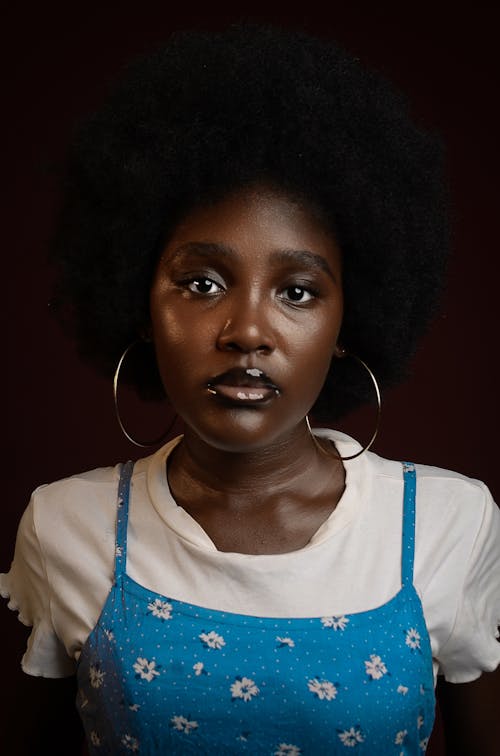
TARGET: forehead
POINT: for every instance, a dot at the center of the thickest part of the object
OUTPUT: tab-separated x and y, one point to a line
255	220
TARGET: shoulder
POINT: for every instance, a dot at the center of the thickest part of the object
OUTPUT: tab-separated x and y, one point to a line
82	490
92	480
455	514
439	491
460	508
77	510
457	528
444	498
77	496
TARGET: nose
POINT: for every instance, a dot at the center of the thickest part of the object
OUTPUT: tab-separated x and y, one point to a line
246	329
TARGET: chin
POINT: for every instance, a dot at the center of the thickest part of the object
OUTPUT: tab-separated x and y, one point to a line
242	432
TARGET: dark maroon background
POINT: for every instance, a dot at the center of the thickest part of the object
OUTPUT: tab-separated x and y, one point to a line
57	415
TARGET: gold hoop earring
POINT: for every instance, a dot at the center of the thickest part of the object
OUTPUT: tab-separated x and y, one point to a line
142	444
379	413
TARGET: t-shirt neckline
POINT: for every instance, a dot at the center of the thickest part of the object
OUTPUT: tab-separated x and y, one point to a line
356	493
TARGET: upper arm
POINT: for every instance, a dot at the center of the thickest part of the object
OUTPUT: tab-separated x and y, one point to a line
470	605
468	706
28	587
470	716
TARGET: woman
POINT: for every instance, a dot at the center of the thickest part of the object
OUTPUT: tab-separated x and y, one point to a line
252	221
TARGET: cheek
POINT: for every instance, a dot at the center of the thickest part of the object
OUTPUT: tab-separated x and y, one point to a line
180	348
311	361
168	336
168	325
316	344
327	338
168	329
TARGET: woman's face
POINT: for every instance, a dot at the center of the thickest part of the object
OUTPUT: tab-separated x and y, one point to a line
246	307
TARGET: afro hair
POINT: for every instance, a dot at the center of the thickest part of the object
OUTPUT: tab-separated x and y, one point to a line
211	112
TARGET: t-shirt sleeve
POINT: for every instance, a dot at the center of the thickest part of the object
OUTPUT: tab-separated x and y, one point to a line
473	646
28	590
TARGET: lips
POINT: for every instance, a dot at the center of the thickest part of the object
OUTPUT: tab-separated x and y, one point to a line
249	386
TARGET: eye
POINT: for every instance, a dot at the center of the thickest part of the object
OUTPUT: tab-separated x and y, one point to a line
298	294
203	285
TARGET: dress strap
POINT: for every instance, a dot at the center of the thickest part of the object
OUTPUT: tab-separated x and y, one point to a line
122	519
408	538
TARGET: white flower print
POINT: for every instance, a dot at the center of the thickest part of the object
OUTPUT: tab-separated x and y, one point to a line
420	721
245	688
285	642
160	609
336	623
145	669
351	737
423	744
134	707
286	749
109	635
212	639
119	551
199	669
375	668
131	743
95	739
323	689
400	737
96	676
402	689
412	638
183	725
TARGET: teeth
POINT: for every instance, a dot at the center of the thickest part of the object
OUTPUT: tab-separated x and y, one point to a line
250	395
255	372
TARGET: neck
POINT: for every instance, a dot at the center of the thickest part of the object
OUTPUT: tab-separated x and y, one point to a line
293	462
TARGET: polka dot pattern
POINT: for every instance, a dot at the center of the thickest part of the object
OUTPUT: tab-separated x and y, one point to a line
158	675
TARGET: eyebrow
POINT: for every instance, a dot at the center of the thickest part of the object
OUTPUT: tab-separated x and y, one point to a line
302	257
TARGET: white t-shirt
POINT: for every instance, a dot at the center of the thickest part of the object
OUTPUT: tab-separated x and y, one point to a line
63	565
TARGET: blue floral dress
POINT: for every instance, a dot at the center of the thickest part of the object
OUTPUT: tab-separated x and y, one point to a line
161	676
